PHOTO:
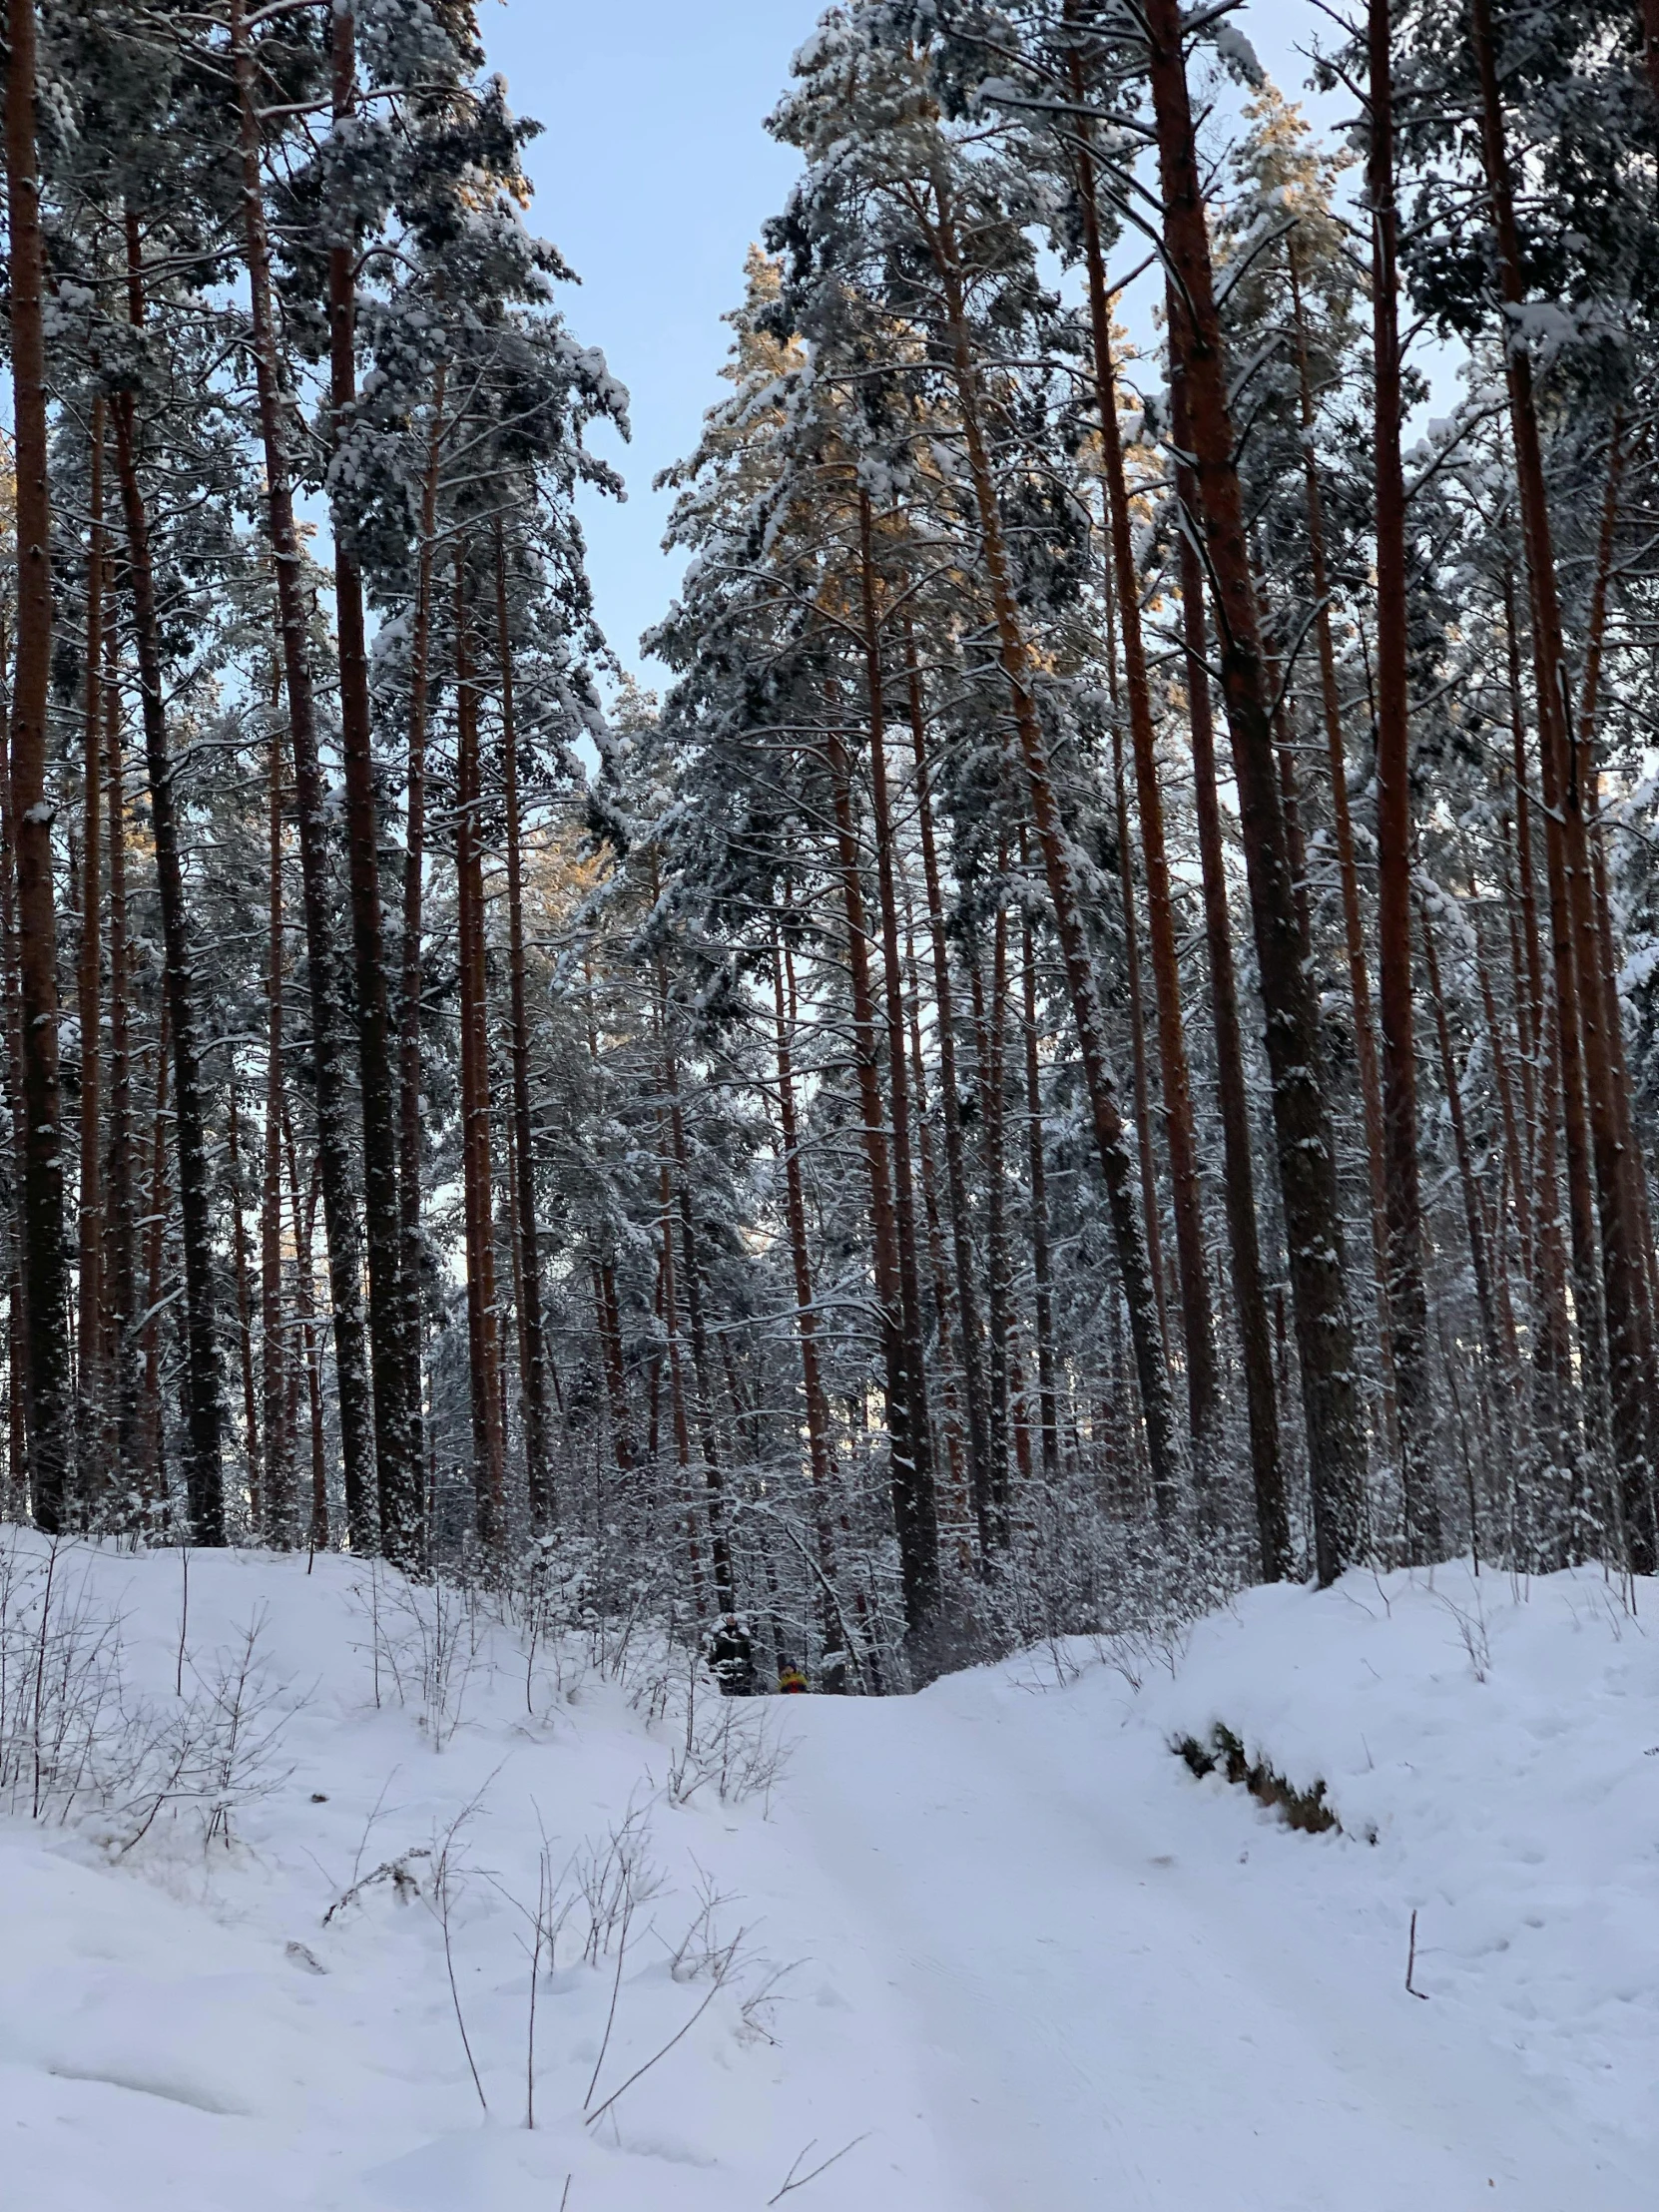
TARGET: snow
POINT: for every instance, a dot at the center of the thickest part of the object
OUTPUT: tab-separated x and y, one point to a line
995	1942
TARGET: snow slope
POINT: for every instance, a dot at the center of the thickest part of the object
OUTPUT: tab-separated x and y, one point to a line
995	1942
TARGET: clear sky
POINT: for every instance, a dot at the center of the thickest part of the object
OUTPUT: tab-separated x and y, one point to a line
652	175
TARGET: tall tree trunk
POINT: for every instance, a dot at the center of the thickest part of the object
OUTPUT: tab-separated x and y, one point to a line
915	1509
483	1315
946	1311
303	1210
1513	1164
88	994
1341	822
1042	1284
415	879
990	1021
1015	658
150	1420
820	1453
1302	1120
1560	1400
1192	1272
1474	1217
532	1344
1529	1001
608	1321
393	1335
1629	1347
667	1292
335	1133
608	1317
1407	1299
1267	1468
17	1321
1140	1078
950	1100
1589	782
245	1317
280	1528
48	1399
204	1407
898	1085
689	1281
120	1281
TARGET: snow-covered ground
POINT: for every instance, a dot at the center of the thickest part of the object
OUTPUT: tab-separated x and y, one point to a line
988	1949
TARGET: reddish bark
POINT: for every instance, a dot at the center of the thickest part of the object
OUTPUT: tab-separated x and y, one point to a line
1273	1523
279	1525
414	876
955	1151
47	1394
482	1312
393	1335
1407	1299
1014	659
203	1404
120	1274
915	1508
335	1146
89	994
1186	1196
1621	1362
532	1344
1306	1144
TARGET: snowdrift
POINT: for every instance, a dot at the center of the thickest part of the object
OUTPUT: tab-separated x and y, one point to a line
317	1889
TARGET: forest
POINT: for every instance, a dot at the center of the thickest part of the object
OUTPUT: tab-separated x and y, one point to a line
1097	1041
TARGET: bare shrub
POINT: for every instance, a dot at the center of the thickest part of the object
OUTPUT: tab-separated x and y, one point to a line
78	1742
426	1642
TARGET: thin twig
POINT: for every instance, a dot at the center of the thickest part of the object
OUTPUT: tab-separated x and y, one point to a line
792	2181
663	2053
1411	1961
610	2018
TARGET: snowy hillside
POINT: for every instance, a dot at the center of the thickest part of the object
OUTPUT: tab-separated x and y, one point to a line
404	1871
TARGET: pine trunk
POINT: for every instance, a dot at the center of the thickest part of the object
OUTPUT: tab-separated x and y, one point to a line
1407	1303
1186	1196
950	1098
1267	1467
1014	657
393	1340
245	1321
280	1521
203	1404
482	1312
1302	1120
150	1421
532	1344
1341	822
915	1508
47	1394
88	994
336	1133
120	1274
1042	1284
898	1085
1628	1352
415	881
990	1021
1140	1076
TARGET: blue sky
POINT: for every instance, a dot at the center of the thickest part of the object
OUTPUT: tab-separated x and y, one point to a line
652	175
